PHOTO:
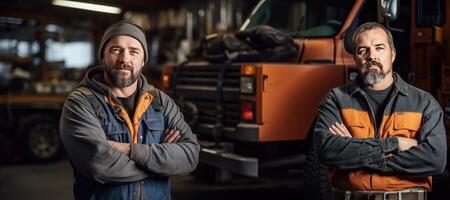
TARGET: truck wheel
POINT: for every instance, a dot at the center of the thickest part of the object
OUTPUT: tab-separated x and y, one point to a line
42	142
317	185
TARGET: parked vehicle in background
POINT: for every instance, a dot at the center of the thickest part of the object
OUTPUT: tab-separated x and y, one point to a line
30	118
255	118
35	79
32	121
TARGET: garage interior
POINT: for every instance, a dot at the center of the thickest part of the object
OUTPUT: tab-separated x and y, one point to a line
46	46
45	50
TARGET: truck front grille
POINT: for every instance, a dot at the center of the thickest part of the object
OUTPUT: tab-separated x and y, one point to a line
214	90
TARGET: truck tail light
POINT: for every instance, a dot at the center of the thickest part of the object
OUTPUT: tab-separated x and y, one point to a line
247	111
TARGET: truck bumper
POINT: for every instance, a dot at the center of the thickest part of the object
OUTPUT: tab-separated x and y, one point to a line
245	132
242	132
247	166
224	159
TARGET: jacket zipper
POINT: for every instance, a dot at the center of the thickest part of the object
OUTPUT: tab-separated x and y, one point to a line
372	115
138	191
388	105
139	184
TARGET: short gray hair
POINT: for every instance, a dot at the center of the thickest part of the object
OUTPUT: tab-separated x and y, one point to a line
370	26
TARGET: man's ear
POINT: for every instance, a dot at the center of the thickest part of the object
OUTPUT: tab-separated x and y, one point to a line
393	54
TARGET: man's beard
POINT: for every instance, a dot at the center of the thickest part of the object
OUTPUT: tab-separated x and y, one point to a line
372	76
114	75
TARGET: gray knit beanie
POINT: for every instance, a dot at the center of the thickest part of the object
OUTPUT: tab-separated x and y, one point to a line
124	28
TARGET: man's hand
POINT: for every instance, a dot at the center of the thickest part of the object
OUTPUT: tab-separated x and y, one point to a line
339	129
406	143
171	136
123	148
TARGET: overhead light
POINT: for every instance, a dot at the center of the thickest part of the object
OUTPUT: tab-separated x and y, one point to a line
88	6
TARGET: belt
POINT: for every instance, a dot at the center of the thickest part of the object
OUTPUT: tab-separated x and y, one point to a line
408	194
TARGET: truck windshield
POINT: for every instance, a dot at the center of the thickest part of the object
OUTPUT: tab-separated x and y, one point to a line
304	18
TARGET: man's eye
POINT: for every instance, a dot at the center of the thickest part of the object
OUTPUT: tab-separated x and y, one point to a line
134	52
380	48
361	51
115	50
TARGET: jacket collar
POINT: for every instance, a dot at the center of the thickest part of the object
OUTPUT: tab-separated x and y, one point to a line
400	85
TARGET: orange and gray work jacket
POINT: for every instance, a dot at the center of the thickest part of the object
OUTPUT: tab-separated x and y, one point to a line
370	159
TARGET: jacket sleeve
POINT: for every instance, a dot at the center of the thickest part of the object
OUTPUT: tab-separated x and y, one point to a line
87	147
169	158
430	155
345	152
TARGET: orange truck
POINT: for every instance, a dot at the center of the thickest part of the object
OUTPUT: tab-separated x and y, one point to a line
256	117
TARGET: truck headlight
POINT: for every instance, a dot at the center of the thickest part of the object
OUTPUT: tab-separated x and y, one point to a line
247	84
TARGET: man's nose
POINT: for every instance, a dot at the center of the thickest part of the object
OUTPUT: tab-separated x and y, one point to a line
371	55
125	57
370	59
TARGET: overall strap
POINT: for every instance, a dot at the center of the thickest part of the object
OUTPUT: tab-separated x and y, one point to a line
98	108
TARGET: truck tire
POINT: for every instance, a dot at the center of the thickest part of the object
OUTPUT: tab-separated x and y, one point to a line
41	139
317	185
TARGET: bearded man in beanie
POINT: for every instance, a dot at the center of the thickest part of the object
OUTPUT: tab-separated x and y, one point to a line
124	137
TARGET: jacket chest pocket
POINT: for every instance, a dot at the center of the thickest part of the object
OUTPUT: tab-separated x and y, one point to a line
358	123
358	129
407	124
115	131
153	131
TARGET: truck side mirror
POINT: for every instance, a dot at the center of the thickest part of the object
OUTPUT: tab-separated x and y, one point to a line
388	9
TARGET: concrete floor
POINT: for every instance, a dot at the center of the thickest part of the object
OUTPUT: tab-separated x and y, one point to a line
43	181
54	182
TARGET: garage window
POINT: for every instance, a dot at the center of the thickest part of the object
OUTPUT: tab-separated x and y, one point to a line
77	54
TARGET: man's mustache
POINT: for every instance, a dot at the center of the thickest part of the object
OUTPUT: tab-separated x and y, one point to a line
372	62
123	67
